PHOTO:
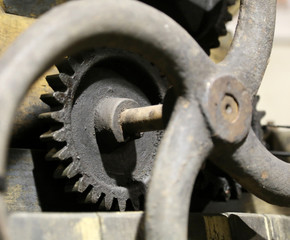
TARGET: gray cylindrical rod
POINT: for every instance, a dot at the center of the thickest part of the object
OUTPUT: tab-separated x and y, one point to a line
143	119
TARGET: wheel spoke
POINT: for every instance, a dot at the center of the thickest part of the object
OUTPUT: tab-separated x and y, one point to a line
252	44
59	33
256	169
175	171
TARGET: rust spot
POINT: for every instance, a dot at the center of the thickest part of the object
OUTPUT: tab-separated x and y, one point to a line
264	175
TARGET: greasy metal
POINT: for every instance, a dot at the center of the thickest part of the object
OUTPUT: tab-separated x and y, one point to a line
143	119
174	172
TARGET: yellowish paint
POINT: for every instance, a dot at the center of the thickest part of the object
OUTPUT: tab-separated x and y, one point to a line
217	228
88	229
12	195
2	4
11	27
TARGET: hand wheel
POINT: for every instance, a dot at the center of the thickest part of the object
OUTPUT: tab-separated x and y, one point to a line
212	114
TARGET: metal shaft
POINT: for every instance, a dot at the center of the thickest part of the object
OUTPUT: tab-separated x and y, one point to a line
143	119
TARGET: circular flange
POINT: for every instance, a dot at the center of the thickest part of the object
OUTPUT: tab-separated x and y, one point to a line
229	109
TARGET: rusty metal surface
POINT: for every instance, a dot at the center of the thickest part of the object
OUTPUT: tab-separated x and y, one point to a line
136	120
192	130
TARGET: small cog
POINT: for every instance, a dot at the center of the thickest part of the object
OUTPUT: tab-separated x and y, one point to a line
87	87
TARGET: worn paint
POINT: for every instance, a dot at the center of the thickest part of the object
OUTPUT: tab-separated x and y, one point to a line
27	114
88	228
217	228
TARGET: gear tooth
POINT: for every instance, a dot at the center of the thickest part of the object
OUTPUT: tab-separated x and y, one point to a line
108	201
72	186
48	136
50	154
66	79
53	99
59	172
60	97
60	135
122	204
45	116
89	197
55	82
52	116
261	114
58	116
83	184
93	196
71	170
62	154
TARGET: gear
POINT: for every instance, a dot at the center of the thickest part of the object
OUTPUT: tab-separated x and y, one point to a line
204	26
88	86
100	82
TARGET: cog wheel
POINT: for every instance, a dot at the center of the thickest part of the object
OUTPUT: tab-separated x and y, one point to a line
204	26
89	86
107	171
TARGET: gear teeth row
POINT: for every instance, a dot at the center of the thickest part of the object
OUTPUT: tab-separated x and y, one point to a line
82	184
59	172
56	155
62	154
65	79
54	99
71	170
69	167
93	196
56	82
55	117
58	136
122	204
109	201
